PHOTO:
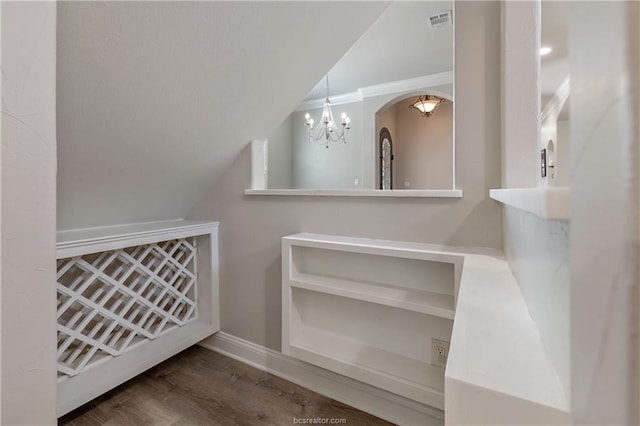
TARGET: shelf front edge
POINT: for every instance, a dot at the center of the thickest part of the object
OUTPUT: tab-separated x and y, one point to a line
400	193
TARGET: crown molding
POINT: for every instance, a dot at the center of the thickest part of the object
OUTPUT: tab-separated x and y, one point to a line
399	86
345	98
411	84
558	99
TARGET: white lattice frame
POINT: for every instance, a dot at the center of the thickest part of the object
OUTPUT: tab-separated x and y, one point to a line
179	259
159	296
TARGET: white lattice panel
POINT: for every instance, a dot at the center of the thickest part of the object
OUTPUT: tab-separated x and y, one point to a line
110	301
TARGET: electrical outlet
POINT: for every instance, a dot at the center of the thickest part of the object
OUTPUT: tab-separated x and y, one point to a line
439	352
356	182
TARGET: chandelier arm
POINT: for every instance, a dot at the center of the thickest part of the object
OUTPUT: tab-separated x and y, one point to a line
326	130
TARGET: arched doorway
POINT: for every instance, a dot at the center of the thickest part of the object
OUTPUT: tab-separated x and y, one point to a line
386	159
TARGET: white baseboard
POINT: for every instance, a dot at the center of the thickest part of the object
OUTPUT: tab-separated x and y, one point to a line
367	398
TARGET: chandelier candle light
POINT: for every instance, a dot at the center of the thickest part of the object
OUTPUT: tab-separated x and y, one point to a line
326	130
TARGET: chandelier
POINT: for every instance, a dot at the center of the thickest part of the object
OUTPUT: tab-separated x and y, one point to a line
426	104
326	130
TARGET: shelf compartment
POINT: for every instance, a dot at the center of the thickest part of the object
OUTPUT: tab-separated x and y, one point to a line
376	269
423	301
370	309
402	375
381	345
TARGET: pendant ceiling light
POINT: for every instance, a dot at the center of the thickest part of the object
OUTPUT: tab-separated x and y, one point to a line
426	104
326	130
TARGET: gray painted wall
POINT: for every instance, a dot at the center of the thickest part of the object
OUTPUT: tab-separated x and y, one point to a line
563	168
251	227
156	99
280	156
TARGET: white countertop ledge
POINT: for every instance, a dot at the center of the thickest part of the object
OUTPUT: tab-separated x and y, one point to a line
397	193
75	242
549	203
498	370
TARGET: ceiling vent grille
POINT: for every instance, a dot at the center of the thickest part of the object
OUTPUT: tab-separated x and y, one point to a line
441	19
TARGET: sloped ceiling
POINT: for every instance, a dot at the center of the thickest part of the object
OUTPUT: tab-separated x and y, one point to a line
156	99
398	46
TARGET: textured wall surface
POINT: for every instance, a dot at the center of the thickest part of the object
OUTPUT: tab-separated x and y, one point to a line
28	215
605	135
538	254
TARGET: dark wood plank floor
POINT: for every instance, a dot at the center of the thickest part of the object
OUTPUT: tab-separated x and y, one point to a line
200	387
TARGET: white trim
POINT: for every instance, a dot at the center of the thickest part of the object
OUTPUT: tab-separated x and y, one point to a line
76	242
549	203
345	98
259	163
367	398
65	232
399	86
558	99
408	85
397	193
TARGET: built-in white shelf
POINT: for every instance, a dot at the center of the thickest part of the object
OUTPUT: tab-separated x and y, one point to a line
423	301
394	193
550	203
369	309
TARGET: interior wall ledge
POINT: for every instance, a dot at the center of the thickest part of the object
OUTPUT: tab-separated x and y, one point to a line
551	203
397	193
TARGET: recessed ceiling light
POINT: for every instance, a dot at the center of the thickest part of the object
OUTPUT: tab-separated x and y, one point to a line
545	50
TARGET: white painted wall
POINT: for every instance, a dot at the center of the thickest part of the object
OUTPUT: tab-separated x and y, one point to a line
251	226
280	156
423	147
28	215
156	99
520	93
538	254
605	137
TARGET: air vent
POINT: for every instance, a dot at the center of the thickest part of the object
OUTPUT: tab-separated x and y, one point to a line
441	19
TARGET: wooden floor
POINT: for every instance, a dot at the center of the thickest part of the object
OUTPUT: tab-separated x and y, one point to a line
200	387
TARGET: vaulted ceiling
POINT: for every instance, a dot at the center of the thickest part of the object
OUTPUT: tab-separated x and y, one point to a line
398	46
156	99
